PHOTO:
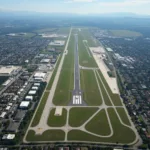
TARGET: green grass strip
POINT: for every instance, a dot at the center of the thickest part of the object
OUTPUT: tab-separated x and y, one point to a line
57	121
99	124
48	135
122	134
91	94
40	110
123	116
77	116
115	97
65	84
105	96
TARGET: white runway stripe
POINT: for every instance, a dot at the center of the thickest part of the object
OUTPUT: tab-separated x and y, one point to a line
77	100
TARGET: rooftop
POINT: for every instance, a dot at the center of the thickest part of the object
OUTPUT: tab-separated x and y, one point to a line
39	75
8	137
32	92
7	69
24	104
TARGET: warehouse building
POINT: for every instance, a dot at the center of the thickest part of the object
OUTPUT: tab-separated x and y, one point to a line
57	43
39	75
3	114
32	92
37	84
35	88
8	108
29	98
45	61
24	104
8	137
9	70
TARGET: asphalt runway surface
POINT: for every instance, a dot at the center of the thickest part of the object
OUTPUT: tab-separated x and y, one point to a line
77	98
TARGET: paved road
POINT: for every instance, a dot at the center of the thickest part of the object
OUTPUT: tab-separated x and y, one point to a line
77	93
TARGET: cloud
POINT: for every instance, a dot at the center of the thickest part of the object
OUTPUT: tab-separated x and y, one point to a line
124	3
79	1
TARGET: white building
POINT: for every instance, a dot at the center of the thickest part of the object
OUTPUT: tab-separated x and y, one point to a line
29	98
8	108
24	104
57	43
39	75
7	82
3	115
15	98
37	84
45	60
35	88
109	49
8	137
32	92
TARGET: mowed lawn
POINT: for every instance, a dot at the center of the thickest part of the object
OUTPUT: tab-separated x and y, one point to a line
85	57
66	80
99	124
57	121
91	94
114	97
88	36
105	95
123	116
79	115
40	109
121	134
48	135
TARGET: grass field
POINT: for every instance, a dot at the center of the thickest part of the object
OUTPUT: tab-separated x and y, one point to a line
64	30
99	124
77	116
38	114
85	57
87	36
115	97
57	121
123	116
48	135
66	81
121	134
105	96
91	94
46	30
125	33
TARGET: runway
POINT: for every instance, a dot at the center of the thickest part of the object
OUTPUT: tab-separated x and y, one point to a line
77	98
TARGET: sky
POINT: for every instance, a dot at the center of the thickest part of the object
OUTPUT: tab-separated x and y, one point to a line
78	6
